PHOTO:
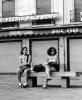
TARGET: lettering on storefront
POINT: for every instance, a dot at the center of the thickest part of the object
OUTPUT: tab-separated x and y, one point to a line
69	30
26	18
74	30
20	33
57	31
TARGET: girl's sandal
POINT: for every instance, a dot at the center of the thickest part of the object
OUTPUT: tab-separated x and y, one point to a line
26	85
44	86
21	86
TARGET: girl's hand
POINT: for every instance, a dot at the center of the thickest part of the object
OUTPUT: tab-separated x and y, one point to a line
24	64
27	63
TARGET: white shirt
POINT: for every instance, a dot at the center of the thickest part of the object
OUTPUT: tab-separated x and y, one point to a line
53	58
23	60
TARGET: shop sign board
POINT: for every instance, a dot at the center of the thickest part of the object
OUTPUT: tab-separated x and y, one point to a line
26	18
14	33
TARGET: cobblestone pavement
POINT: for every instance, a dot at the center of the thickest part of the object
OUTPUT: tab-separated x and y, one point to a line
10	91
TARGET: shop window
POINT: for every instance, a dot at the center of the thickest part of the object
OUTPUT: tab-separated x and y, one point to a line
8	8
43	6
44	21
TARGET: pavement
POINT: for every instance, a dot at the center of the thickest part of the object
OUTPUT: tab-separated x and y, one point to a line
9	90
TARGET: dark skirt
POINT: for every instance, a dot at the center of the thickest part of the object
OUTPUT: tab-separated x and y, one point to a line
25	66
53	66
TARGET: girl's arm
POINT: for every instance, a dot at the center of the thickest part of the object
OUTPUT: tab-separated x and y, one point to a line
29	60
56	57
47	60
20	61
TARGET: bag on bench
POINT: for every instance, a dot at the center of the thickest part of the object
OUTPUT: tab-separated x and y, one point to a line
39	68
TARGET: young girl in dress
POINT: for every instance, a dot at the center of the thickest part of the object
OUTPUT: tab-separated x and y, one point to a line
51	64
25	61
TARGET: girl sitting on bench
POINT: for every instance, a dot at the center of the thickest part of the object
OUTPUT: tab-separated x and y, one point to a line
51	65
25	61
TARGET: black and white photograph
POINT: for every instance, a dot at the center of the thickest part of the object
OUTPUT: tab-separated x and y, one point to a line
40	49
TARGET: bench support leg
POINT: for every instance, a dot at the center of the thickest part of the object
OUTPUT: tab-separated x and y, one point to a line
65	83
32	82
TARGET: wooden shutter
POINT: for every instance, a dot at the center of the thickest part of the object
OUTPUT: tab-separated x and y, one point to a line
75	47
39	50
9	56
43	6
75	54
8	8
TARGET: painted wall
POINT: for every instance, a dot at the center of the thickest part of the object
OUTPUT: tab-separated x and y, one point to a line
0	8
25	7
28	7
65	9
57	6
25	43
68	11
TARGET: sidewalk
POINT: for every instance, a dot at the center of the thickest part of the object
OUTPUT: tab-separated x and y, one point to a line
10	91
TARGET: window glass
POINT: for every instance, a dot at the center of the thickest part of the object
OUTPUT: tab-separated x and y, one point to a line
43	6
78	9
8	8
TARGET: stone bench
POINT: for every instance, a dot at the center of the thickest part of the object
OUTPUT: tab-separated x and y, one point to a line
64	77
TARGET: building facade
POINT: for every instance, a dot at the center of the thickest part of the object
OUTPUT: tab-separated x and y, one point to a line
40	24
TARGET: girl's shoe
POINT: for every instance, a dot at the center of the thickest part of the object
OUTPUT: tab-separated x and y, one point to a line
21	85
25	85
44	86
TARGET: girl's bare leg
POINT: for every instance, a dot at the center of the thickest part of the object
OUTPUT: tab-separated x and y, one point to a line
19	74
47	72
48	77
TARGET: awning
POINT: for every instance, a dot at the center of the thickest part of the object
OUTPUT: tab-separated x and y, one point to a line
41	31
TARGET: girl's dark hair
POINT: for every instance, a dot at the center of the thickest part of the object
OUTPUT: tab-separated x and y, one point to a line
50	50
22	50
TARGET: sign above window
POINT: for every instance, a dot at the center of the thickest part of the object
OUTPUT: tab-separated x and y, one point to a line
26	18
13	33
